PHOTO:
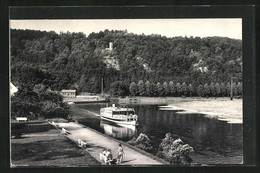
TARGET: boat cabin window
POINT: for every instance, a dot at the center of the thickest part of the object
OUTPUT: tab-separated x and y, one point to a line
131	112
123	112
116	113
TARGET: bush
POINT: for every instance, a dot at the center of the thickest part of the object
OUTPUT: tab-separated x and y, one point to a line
174	151
142	142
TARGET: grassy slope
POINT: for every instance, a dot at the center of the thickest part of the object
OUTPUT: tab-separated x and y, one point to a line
42	145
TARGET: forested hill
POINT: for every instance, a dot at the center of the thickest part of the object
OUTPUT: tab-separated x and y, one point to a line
76	61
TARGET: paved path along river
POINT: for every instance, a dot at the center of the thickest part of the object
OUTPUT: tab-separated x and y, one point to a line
96	142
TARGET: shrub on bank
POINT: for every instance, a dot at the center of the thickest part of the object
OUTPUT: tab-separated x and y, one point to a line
175	151
142	142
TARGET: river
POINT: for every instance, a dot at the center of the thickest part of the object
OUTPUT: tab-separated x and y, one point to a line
213	141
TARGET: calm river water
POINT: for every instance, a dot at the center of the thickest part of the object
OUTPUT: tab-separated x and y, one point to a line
213	141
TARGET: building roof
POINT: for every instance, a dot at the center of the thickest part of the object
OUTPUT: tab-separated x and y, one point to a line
68	91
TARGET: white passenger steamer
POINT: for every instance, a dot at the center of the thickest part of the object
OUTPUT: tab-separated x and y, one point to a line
119	115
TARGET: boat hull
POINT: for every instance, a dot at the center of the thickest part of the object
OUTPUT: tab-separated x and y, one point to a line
119	121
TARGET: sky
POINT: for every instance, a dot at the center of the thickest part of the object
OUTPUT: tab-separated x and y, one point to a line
231	27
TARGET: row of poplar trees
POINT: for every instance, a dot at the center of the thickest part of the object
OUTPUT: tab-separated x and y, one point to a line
171	89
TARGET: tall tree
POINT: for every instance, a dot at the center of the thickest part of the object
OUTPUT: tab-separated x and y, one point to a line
223	89
184	89
141	88
190	90
159	89
172	88
178	89
218	89
228	89
212	89
235	89
239	88
206	90
133	89
153	89
147	88
165	89
200	91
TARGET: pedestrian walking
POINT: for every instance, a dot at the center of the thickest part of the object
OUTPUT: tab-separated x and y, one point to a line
120	153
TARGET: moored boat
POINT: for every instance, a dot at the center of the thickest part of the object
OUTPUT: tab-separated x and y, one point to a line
119	115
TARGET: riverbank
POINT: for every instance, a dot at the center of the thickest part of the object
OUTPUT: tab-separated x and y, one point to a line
192	128
40	144
78	114
85	99
221	108
149	100
96	142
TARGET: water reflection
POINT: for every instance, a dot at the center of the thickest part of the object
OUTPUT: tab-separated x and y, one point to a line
123	132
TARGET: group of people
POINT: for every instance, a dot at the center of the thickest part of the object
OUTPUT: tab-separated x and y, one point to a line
107	156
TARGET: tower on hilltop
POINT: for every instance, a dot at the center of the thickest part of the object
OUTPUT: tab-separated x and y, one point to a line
110	46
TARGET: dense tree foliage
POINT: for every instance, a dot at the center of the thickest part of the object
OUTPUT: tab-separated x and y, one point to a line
133	89
76	61
191	90
37	102
118	88
148	88
159	89
176	152
141	88
172	90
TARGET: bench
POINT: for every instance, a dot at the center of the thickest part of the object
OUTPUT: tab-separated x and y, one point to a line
21	119
64	131
81	143
54	124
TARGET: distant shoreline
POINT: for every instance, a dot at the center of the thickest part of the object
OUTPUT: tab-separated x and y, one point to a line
221	108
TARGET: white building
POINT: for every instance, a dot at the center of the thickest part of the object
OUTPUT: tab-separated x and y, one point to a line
68	93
